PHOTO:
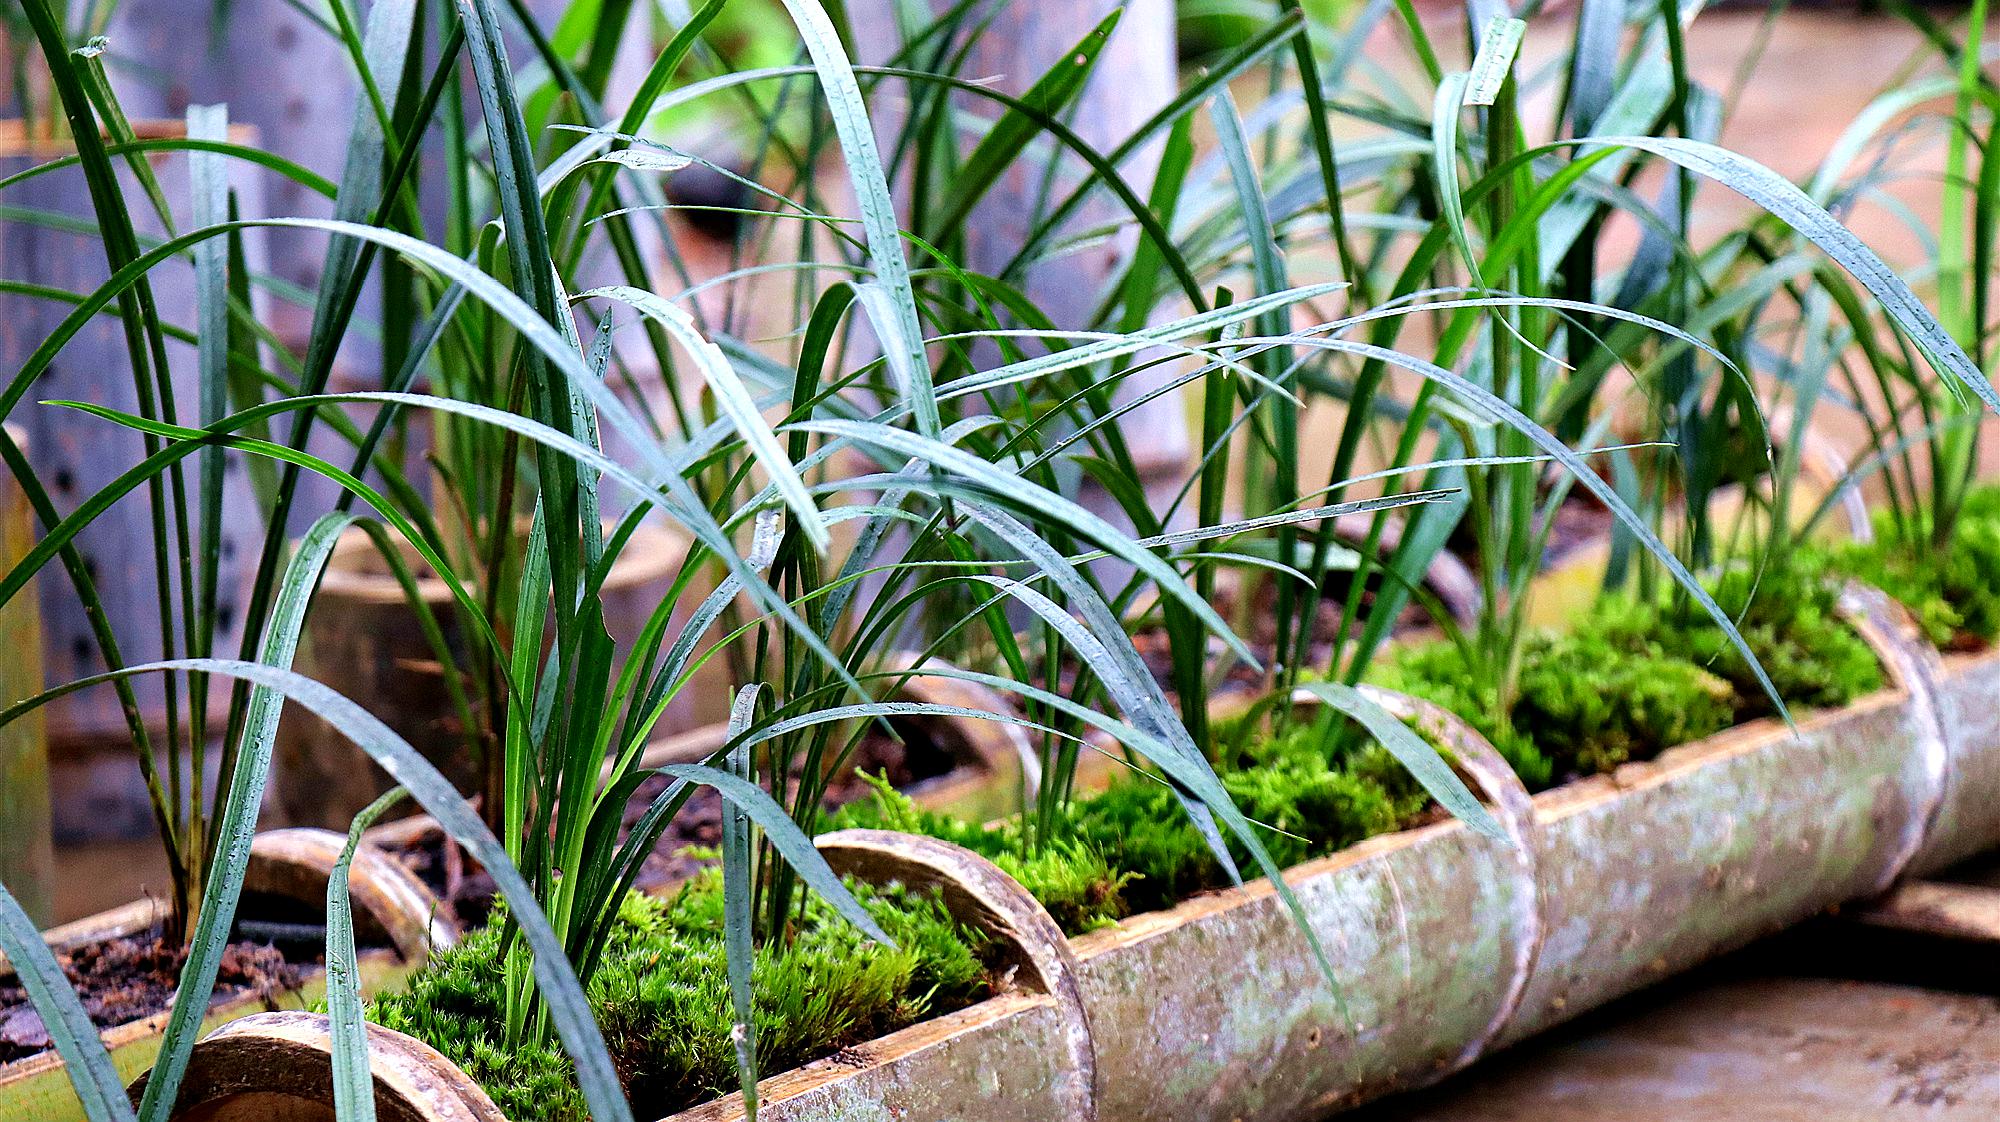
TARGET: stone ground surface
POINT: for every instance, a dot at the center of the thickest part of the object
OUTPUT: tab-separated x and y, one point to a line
1888	1011
1763	1049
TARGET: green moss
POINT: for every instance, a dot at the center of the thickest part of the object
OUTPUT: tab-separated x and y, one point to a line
662	998
1594	700
1438	673
1132	848
1631	680
1786	616
1584	703
1949	589
1072	877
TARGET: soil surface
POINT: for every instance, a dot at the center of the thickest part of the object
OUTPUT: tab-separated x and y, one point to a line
127	979
1579	521
1965	642
1260	631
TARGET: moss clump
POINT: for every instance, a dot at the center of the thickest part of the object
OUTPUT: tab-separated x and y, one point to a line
1132	848
1439	674
1584	702
661	997
1595	699
1072	878
1949	589
1633	679
1786	616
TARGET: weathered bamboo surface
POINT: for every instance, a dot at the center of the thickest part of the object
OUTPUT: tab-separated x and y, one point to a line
1637	875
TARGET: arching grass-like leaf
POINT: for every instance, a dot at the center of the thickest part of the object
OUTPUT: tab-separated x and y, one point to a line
1412	751
90	1070
731	396
737	907
237	824
901	327
1786	201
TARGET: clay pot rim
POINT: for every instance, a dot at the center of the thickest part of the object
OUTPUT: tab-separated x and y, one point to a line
17	142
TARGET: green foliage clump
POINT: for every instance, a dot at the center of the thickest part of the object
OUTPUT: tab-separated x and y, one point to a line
661	997
1950	589
1133	849
1072	877
1595	700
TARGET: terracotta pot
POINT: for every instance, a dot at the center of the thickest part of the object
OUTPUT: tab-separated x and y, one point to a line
1027	1051
278	1067
394	919
363	640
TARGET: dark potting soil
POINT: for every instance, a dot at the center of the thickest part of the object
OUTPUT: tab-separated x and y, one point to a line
126	979
1261	635
467	891
464	890
1579	521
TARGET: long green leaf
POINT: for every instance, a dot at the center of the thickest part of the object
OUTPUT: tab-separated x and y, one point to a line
353	1081
1029	496
901	327
732	397
1783	199
89	1066
786	837
237	824
1414	752
737	907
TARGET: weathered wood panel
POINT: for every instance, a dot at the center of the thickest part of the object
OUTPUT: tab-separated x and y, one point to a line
76	455
27	857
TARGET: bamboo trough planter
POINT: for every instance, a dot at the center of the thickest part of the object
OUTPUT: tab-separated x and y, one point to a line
1448	945
395	921
1022	1056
